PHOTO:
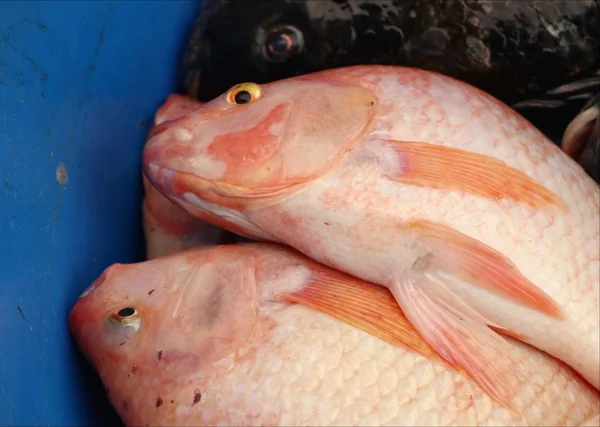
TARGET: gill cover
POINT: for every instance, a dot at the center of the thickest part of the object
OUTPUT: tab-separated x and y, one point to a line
212	312
286	133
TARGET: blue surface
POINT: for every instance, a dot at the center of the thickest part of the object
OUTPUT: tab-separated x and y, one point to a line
79	84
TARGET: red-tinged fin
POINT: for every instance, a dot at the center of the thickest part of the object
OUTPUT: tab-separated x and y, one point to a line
460	335
447	168
480	265
369	307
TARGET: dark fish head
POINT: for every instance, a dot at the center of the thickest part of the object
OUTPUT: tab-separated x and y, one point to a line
237	41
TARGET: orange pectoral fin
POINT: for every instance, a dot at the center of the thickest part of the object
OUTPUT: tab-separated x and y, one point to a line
474	262
369	307
447	168
460	335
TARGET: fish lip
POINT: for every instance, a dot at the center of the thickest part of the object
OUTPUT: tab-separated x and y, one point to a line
166	179
74	324
163	178
88	290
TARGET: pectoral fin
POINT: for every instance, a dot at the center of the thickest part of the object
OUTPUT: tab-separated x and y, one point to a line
459	334
457	330
447	168
476	263
364	305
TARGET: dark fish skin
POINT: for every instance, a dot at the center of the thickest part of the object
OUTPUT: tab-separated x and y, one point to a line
582	138
540	56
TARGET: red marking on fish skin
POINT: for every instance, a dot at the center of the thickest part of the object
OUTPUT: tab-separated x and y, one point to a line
237	148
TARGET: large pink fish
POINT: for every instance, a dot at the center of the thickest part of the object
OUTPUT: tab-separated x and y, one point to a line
414	181
215	336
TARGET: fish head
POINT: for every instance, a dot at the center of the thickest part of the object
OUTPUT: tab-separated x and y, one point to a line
161	323
257	143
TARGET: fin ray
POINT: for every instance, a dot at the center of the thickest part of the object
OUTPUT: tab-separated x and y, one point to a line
482	266
459	334
453	169
367	306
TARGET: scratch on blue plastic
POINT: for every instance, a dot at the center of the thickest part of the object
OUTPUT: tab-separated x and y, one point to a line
79	83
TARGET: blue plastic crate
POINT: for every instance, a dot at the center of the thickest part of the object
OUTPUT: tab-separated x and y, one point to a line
79	84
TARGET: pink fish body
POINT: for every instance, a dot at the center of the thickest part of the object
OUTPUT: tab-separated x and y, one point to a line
413	181
210	337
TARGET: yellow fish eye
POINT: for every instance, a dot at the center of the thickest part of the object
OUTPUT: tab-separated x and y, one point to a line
243	93
125	316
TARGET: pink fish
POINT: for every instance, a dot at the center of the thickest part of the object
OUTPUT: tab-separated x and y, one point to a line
167	227
257	334
413	181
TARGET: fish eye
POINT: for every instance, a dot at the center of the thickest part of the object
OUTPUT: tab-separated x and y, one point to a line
126	312
125	316
282	42
243	93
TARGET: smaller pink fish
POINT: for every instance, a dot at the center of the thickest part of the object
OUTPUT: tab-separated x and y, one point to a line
167	227
257	334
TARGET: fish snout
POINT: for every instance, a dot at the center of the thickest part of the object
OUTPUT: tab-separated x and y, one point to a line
101	279
158	129
172	130
78	317
162	149
161	178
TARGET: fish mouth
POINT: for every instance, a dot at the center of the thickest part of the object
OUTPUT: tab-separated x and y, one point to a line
208	200
77	321
161	178
174	183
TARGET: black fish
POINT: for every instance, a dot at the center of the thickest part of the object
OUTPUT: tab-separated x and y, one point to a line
540	56
581	140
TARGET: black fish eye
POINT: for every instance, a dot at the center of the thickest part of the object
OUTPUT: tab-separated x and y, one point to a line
242	97
126	312
282	42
